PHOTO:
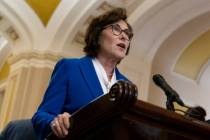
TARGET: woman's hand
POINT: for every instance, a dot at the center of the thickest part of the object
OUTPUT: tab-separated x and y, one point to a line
60	125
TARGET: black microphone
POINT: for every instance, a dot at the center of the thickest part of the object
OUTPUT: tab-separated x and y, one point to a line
172	95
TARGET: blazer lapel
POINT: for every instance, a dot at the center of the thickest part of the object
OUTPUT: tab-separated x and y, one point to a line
119	76
90	76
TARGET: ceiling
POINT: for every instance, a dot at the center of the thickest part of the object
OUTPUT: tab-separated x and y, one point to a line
59	27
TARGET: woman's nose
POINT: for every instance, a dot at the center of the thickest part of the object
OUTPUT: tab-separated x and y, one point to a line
123	36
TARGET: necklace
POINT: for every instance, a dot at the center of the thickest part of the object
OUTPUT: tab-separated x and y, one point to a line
106	80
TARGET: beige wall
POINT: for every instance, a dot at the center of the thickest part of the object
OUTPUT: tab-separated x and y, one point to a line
25	86
163	30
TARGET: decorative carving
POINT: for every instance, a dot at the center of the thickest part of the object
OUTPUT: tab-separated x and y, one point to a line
124	92
34	55
79	38
12	33
102	8
105	6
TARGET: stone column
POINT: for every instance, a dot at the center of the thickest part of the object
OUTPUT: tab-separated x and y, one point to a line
28	79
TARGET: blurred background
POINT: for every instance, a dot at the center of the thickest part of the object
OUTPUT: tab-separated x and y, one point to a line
172	38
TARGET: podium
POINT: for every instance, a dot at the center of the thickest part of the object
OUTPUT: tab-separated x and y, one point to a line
120	116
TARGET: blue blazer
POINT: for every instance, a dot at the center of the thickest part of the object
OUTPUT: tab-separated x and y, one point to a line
74	83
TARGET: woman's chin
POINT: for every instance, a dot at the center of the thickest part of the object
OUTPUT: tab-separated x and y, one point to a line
120	56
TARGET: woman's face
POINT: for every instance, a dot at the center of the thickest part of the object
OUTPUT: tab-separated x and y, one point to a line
112	44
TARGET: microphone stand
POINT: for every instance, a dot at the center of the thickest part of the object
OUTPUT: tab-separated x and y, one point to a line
174	98
169	104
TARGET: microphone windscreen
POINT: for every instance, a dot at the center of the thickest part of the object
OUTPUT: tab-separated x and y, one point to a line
158	79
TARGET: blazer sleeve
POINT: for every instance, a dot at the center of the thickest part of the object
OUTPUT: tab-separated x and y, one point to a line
53	100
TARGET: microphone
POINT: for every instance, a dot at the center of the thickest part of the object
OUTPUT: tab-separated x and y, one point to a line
172	95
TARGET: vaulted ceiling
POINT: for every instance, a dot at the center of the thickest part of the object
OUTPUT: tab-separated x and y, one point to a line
59	26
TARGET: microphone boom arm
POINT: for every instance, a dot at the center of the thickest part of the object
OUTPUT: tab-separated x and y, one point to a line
172	95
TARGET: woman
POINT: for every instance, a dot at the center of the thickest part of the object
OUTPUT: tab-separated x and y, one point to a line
76	82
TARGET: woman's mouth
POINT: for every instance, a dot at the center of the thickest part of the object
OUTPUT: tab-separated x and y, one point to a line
121	45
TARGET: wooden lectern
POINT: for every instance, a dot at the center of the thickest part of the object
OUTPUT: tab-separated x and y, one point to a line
119	116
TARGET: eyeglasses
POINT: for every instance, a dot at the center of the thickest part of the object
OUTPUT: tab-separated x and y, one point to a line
117	30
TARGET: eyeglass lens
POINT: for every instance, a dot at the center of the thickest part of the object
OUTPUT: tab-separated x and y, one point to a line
116	29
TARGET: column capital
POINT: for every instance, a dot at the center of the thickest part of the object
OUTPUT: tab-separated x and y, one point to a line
34	59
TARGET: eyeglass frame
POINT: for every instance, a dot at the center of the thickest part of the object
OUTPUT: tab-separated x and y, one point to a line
121	30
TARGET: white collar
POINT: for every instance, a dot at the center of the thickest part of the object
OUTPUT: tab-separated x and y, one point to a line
102	76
